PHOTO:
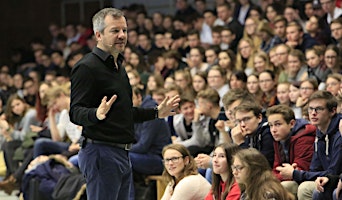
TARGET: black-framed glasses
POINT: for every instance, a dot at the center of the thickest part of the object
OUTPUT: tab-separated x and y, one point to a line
172	159
244	120
317	109
238	168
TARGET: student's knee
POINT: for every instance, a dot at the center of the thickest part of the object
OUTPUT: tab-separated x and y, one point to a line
305	190
291	186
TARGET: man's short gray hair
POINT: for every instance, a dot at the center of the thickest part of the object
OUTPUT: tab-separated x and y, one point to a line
98	19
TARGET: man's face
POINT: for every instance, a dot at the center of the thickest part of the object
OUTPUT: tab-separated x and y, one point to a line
319	114
193	41
204	106
336	31
309	11
210	56
216	38
280	129
209	18
290	14
280	29
312	25
187	109
144	42
114	36
282	55
293	34
229	109
223	13
248	121
227	37
328	5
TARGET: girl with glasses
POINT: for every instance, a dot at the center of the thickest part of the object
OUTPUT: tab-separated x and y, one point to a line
184	181
253	173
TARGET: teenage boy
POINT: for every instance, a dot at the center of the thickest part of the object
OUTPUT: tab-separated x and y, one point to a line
252	130
293	142
327	157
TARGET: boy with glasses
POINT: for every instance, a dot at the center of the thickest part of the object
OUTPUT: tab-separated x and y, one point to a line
327	157
252	130
293	142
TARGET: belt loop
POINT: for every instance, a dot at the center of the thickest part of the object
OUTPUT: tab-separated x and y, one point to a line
128	147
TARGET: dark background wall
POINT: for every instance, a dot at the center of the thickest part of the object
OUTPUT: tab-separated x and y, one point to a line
22	20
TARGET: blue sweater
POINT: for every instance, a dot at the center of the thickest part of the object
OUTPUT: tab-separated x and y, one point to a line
151	136
327	158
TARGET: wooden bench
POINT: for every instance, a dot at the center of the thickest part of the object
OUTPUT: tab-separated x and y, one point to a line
161	185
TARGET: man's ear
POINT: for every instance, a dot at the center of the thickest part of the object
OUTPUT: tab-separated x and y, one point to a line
292	123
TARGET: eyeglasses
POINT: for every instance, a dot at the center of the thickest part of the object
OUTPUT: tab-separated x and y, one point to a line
173	160
317	109
306	88
238	168
244	120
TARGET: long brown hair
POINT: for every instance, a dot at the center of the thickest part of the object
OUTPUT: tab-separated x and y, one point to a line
230	149
189	169
11	117
260	182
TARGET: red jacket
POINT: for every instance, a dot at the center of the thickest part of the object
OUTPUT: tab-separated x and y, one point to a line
233	194
300	148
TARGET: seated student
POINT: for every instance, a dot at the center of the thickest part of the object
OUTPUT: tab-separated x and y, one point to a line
184	181
329	186
255	178
187	131
293	142
224	185
252	130
19	117
151	137
327	155
209	107
64	134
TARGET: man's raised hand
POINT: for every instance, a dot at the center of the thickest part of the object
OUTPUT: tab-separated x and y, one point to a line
104	107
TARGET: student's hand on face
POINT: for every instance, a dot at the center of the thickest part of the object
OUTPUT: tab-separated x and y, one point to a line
292	44
320	182
286	171
340	127
197	114
238	135
220	125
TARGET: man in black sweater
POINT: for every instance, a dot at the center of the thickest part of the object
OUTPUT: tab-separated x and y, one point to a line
108	124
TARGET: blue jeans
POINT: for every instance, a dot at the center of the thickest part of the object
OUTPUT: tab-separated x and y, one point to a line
46	146
148	164
107	170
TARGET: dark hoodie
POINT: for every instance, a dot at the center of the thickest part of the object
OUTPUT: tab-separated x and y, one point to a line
262	140
299	147
327	157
